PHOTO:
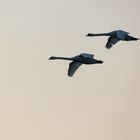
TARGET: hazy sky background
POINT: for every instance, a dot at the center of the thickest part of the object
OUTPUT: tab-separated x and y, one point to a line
38	101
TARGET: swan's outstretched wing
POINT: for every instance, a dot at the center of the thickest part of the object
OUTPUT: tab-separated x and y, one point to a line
73	66
111	41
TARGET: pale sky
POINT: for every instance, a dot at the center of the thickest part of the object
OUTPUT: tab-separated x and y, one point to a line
38	101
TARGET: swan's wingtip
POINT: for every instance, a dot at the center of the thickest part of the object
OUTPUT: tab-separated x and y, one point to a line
70	76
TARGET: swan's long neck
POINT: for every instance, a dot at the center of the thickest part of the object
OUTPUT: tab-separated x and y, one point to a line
100	34
62	58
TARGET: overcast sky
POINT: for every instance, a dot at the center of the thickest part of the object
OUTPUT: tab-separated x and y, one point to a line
38	101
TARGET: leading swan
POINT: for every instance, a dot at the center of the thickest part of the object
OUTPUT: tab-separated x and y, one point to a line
115	36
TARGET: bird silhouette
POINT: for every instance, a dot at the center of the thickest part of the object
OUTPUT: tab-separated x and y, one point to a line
77	61
115	36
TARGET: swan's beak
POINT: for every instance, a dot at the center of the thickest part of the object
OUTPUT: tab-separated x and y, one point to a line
89	34
50	58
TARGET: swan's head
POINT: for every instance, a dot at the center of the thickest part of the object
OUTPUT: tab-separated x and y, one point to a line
90	34
51	58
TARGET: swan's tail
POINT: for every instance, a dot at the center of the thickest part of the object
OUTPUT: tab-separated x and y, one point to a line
99	62
131	38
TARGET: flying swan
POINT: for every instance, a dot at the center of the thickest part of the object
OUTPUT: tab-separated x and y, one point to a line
115	36
77	61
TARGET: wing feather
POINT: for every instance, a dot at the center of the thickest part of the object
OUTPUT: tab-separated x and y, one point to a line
73	66
121	34
87	55
111	41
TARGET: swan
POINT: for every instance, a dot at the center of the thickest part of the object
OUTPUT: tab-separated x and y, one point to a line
77	61
115	36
